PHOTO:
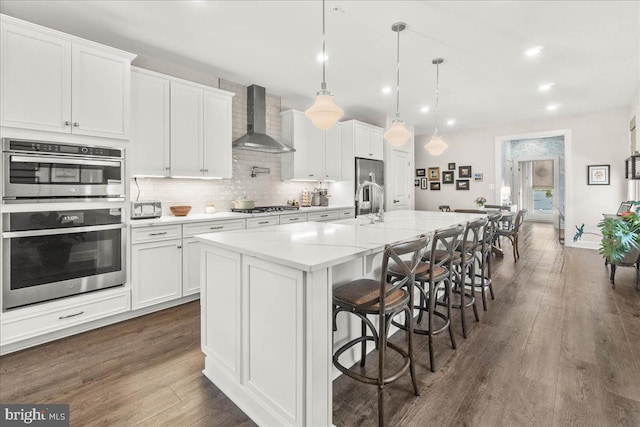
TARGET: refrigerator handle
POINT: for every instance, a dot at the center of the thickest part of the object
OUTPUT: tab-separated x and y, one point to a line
373	196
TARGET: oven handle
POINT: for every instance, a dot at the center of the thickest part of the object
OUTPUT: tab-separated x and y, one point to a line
63	161
51	232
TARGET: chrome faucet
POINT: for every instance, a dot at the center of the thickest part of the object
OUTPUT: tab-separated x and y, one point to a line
380	214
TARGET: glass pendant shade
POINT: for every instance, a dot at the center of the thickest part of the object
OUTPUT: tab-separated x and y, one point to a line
324	113
397	134
436	146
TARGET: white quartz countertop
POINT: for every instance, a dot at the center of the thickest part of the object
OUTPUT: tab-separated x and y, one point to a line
312	246
220	216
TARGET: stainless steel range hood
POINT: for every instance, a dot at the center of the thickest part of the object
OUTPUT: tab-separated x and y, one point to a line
256	138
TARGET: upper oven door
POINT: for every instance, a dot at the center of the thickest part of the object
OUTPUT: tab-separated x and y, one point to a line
41	176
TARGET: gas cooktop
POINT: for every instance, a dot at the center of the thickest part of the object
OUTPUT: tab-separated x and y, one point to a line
262	209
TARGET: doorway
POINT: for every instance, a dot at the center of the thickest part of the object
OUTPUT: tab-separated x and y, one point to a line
538	188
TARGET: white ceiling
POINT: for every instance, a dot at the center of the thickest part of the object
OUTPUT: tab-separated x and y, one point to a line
591	50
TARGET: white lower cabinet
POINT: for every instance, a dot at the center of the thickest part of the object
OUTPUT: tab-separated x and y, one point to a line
324	216
262	221
191	250
30	322
156	272
291	218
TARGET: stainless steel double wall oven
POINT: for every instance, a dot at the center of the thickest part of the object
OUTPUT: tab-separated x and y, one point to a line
63	222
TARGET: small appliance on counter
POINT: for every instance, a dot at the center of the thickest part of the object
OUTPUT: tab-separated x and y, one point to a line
319	197
146	210
305	199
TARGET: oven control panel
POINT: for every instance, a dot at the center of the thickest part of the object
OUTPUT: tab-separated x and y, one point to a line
48	147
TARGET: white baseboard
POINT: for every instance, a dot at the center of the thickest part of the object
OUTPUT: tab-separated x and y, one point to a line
583	245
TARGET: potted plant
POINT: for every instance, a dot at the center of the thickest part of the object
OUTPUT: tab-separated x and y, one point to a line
480	201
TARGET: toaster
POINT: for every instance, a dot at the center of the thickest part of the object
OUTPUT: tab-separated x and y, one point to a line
140	210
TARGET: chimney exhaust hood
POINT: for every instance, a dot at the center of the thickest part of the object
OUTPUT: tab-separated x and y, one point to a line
256	138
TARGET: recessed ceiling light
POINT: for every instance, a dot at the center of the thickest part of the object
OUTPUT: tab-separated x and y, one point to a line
424	109
552	107
320	57
545	87
533	51
451	122
386	89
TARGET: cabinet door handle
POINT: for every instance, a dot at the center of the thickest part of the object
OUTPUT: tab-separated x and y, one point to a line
179	246
76	124
371	154
217	227
310	174
294	219
168	168
71	315
323	216
157	234
67	123
396	201
263	222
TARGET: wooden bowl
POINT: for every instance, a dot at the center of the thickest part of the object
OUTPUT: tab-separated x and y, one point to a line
180	210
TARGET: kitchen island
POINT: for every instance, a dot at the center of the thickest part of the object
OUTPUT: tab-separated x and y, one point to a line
266	295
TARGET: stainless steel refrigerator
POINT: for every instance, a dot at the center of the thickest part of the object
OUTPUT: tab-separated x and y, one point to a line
369	170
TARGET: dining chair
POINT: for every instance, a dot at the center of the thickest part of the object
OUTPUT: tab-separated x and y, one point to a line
512	233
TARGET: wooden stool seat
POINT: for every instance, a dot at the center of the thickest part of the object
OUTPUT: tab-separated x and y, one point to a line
364	291
422	271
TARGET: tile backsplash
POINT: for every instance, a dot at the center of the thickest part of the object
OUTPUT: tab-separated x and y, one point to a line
265	189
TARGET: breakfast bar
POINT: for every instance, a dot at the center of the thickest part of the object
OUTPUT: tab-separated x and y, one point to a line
266	299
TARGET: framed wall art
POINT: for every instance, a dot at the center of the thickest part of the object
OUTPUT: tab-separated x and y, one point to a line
478	177
451	166
447	177
464	172
421	172
434	174
462	184
417	182
434	185
624	207
423	183
598	174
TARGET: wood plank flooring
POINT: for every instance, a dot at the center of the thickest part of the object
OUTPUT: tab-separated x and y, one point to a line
556	347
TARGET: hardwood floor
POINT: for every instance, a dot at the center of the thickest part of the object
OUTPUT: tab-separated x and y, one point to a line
556	347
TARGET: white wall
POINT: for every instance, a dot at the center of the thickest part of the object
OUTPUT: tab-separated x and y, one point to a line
596	138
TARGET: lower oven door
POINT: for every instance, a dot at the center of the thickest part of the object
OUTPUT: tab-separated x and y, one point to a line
42	265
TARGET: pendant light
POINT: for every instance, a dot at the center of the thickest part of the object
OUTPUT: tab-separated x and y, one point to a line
436	146
397	134
324	113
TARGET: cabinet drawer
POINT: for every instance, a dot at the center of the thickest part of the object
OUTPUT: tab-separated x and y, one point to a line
262	221
153	234
347	213
48	320
324	216
211	227
288	219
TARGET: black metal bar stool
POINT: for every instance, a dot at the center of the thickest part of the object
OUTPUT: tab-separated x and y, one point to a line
366	296
483	258
429	278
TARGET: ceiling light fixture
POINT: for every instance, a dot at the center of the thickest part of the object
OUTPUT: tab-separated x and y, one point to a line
545	87
397	134
533	51
324	113
424	109
436	146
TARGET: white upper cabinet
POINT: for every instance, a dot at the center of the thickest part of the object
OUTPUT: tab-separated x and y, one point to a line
217	156
149	153
318	153
55	82
368	139
186	130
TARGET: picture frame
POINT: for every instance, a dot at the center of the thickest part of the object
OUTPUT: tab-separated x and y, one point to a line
434	174
447	177
434	186
451	166
421	172
464	172
478	177
598	174
417	182
624	207
462	184
423	183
